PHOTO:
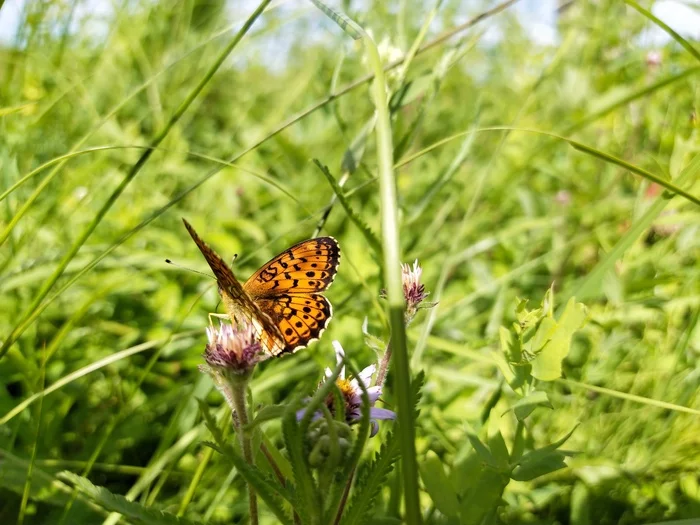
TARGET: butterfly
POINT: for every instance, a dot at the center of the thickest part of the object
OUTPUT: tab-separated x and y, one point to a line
282	300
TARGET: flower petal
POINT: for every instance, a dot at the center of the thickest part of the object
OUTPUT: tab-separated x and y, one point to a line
339	355
381	413
374	392
366	375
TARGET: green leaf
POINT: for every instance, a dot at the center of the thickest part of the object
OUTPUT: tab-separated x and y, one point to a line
438	486
266	487
304	494
499	450
345	23
267	413
547	363
481	449
535	467
484	497
352	214
118	503
524	407
535	455
210	422
370	479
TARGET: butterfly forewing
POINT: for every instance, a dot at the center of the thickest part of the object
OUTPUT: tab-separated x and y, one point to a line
236	300
307	267
281	299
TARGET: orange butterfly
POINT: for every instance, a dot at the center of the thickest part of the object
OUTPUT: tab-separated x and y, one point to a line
281	299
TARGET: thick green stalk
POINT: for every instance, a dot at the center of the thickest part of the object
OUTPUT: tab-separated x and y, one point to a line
392	262
394	286
241	420
68	257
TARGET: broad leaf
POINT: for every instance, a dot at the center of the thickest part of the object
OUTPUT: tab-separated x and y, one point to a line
438	486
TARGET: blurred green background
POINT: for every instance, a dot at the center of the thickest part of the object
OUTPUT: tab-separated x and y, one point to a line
491	215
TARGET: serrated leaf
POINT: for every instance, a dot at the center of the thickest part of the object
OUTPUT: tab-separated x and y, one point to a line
547	363
371	477
118	503
438	486
268	489
304	493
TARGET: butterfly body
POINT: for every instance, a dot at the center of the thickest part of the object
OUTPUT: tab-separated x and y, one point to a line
283	298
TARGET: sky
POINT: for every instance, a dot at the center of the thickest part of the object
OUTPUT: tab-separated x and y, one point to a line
537	15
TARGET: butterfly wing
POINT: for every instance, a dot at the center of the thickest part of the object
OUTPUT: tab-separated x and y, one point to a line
307	267
301	318
237	301
286	289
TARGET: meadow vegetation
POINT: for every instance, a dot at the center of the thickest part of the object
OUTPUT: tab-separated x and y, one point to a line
549	191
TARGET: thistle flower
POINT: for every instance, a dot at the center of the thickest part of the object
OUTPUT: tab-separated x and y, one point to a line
232	351
413	290
351	393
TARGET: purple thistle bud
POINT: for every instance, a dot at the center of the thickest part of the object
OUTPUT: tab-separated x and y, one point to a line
232	350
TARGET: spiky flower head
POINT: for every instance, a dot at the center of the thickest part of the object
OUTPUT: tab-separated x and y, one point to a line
351	393
232	351
413	290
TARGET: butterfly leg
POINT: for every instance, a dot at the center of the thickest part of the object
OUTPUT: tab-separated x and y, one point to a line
218	316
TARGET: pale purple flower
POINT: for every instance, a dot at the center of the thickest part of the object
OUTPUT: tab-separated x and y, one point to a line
413	289
232	349
352	394
653	59
563	197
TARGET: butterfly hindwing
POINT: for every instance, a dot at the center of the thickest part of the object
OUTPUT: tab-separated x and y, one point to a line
307	267
301	318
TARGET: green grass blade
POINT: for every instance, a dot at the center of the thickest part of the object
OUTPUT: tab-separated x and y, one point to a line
630	397
83	236
592	283
354	217
678	38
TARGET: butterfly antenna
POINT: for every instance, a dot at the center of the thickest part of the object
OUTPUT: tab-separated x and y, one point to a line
233	259
188	269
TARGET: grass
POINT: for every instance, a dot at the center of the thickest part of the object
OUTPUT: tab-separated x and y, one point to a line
103	339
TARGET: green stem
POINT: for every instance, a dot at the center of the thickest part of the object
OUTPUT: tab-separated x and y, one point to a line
394	287
83	236
384	366
392	262
237	399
